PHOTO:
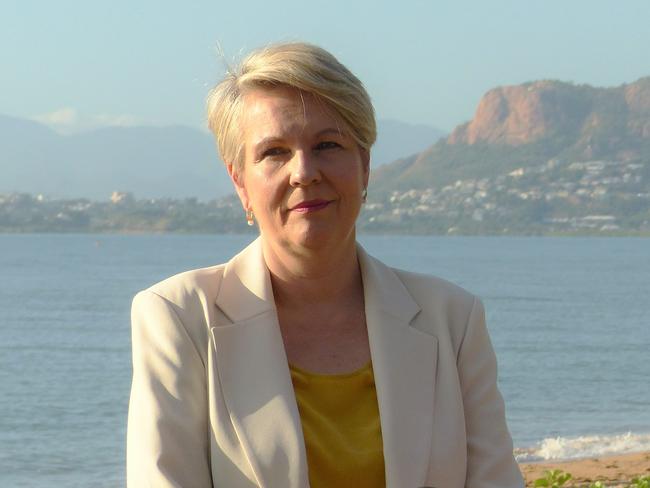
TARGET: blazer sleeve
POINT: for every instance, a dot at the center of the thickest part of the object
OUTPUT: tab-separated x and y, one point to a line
167	434
490	460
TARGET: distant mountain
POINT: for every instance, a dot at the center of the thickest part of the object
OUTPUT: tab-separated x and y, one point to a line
150	162
542	157
397	139
526	125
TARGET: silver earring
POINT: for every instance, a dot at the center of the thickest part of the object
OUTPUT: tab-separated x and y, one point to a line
249	218
364	195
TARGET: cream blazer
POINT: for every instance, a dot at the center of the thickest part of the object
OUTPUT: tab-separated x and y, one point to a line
212	402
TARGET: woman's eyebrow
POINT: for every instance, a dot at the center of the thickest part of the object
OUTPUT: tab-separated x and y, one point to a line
266	141
331	130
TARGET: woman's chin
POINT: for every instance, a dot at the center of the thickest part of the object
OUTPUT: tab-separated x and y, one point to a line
318	236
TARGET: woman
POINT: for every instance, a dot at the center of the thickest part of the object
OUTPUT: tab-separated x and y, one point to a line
304	361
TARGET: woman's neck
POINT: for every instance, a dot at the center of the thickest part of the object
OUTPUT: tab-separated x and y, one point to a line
320	276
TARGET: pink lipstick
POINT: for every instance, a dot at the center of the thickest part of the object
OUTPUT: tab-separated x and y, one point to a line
310	206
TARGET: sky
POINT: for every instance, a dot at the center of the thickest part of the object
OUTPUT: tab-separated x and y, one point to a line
76	65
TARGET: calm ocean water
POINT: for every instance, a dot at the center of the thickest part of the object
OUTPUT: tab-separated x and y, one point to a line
569	318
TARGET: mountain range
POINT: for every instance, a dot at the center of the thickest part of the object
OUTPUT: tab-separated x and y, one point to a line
150	162
545	157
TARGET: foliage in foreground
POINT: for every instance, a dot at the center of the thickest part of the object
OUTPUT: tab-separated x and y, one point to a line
643	482
557	478
554	478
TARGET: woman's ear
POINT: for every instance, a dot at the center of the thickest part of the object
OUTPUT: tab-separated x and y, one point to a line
238	182
365	165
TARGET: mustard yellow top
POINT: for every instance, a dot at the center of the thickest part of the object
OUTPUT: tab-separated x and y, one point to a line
340	424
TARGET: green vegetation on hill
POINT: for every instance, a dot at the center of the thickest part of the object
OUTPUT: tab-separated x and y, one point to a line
557	197
26	213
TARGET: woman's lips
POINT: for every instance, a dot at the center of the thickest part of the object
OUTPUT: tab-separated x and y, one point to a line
310	206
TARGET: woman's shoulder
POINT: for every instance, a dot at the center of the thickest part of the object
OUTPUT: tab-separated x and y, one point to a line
417	284
434	296
426	287
179	306
189	287
446	309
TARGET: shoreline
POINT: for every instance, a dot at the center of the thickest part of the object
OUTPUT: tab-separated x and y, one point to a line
613	470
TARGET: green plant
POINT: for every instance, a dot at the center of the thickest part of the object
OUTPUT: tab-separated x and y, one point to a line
556	478
553	479
643	482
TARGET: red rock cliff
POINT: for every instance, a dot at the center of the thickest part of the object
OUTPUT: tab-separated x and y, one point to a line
521	114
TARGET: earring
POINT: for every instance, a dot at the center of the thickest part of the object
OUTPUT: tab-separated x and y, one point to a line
249	218
364	195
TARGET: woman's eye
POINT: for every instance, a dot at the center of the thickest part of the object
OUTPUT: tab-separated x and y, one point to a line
274	152
327	145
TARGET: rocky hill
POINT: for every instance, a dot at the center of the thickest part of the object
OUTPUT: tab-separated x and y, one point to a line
537	157
600	120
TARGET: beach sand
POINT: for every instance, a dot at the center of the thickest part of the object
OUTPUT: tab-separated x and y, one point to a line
611	470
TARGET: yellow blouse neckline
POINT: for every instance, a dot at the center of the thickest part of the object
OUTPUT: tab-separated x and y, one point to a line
325	376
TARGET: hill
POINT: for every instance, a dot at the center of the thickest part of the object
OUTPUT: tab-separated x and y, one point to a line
538	157
151	162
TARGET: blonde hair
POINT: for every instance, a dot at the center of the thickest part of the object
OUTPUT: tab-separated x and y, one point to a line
299	65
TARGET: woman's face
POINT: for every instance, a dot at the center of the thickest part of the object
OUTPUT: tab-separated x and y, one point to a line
303	173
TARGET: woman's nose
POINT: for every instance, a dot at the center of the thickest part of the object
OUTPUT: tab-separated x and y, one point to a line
304	169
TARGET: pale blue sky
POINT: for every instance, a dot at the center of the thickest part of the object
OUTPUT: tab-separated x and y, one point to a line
92	63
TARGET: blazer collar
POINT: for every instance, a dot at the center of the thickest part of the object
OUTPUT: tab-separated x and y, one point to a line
246	289
404	363
250	352
383	290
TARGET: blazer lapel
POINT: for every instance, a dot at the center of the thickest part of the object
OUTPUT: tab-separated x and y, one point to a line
250	352
404	363
254	374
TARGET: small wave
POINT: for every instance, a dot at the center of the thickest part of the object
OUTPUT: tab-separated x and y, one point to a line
519	298
563	448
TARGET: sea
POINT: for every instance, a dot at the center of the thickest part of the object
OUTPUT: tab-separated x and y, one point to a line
569	319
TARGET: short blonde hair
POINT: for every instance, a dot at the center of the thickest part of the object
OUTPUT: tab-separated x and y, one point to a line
299	65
